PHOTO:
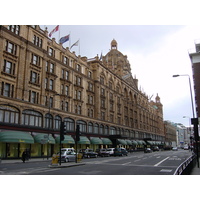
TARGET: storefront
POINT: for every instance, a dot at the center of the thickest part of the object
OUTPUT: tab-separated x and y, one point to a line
96	143
13	143
68	142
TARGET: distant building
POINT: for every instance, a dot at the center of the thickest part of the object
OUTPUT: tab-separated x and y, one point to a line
42	83
171	137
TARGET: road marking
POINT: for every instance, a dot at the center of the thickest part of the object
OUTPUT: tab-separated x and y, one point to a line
158	157
137	160
165	170
160	162
126	163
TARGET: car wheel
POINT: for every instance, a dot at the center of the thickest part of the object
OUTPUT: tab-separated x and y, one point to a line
67	160
88	156
95	156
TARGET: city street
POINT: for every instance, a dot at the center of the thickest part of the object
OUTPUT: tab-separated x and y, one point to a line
136	163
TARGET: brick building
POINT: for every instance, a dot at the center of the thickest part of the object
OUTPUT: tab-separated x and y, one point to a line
42	83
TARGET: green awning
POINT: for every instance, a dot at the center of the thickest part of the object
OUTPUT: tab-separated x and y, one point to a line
16	137
120	141
67	140
106	141
128	142
134	142
96	140
43	138
84	140
139	142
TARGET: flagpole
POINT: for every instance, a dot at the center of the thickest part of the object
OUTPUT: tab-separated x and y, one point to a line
69	40
59	35
79	46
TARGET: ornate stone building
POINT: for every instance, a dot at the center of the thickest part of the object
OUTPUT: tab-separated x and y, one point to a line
42	83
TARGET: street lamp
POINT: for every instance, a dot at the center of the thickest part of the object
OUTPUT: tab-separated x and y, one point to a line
49	123
193	120
177	75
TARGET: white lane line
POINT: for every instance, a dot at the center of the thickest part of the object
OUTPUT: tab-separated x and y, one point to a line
165	170
160	162
126	163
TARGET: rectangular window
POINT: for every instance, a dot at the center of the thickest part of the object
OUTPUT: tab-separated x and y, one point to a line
9	67
7	89
66	90
51	68
35	60
51	84
11	48
14	28
37	41
51	52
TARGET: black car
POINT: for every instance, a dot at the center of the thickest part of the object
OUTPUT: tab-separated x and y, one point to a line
124	152
117	152
155	148
102	152
88	153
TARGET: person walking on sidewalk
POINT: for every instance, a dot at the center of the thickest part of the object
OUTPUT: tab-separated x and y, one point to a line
24	155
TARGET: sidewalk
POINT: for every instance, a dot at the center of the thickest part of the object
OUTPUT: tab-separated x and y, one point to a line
68	164
195	170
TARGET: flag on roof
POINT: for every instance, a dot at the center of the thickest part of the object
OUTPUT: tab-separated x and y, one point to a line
64	39
75	44
54	30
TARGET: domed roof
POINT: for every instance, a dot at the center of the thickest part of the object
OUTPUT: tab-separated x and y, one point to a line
114	44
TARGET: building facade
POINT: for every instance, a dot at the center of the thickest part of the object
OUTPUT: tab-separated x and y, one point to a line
42	83
195	61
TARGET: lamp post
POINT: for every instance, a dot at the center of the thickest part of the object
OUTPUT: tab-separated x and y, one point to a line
177	75
49	123
193	120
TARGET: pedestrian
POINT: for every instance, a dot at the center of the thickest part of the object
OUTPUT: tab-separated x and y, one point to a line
24	155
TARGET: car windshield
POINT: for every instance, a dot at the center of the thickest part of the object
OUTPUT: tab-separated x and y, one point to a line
108	149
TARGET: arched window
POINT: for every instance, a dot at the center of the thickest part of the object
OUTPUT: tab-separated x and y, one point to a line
106	130
57	122
69	124
82	125
90	127
96	128
9	114
48	121
31	118
112	130
101	129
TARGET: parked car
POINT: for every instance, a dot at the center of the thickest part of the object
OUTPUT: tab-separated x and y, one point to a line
67	156
111	151
155	148
186	147
88	153
174	149
117	152
102	152
148	150
124	152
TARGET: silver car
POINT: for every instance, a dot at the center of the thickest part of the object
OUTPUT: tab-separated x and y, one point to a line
68	156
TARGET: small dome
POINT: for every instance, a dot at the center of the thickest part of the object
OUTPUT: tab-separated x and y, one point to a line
114	44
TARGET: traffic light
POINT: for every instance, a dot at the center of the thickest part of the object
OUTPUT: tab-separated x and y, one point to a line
62	131
77	133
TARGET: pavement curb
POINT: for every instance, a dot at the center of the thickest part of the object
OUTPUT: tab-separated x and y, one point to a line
66	165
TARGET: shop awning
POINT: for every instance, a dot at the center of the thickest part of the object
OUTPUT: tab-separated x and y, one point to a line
67	140
96	140
106	141
84	140
139	142
128	142
120	141
16	137
134	142
43	138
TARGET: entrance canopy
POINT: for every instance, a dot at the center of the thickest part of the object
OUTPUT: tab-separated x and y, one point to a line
43	138
67	140
16	137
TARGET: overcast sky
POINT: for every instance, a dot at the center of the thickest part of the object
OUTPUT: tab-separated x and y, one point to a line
155	52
